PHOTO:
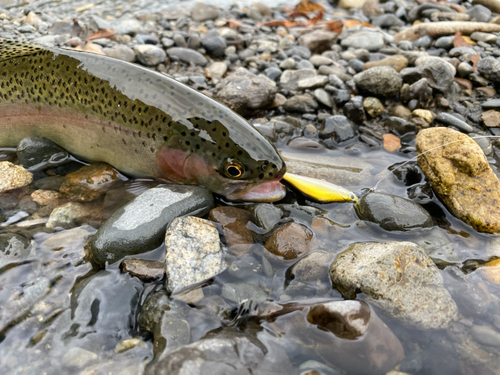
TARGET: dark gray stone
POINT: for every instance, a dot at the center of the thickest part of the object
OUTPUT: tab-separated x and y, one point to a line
339	128
266	215
489	67
141	225
36	153
354	110
214	44
392	212
300	51
187	55
450	120
480	13
439	74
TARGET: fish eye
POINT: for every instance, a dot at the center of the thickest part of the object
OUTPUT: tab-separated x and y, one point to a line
233	169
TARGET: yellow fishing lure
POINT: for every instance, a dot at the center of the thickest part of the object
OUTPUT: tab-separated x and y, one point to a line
320	190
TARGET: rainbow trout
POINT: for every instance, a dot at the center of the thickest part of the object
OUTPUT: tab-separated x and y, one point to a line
141	122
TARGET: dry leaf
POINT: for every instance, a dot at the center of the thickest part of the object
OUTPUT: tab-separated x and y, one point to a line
468	40
306	6
459	41
107	33
474	59
351	23
335	26
233	24
314	21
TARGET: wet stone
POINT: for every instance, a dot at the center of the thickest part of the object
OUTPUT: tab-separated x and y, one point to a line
194	252
245	92
439	74
266	215
145	270
68	215
450	120
89	182
392	212
373	106
382	80
13	176
140	225
400	278
243	292
289	241
14	247
36	153
339	128
234	224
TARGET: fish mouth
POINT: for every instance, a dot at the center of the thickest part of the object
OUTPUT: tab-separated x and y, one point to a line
267	192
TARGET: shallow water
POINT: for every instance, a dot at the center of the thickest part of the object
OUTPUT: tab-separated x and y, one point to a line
53	300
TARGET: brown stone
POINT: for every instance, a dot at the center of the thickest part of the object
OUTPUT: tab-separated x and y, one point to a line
491	118
391	142
397	62
318	41
146	270
487	91
89	182
234	224
464	84
460	174
289	241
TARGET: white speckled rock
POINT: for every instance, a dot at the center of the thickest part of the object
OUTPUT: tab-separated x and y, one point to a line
13	176
194	252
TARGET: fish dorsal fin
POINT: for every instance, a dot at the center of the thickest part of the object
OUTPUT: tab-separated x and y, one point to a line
10	48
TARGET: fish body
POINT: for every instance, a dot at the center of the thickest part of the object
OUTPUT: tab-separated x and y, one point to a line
320	190
143	123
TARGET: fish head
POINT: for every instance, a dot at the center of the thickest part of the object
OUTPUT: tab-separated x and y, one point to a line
236	162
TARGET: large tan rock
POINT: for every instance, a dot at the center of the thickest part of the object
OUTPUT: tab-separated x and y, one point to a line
460	174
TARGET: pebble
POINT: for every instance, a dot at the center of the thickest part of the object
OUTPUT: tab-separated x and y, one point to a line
150	55
323	97
301	103
145	270
373	106
491	118
318	41
203	12
244	91
489	67
13	177
127	27
397	62
266	216
372	41
486	335
38	153
121	52
194	252
450	120
67	215
216	70
289	80
214	45
399	278
382	80
187	55
234	223
439	74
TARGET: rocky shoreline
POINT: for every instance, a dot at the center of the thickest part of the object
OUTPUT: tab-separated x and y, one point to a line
105	274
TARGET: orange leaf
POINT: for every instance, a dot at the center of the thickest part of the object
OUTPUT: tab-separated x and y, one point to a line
233	24
335	26
107	33
315	20
351	23
459	41
474	59
298	14
366	24
306	6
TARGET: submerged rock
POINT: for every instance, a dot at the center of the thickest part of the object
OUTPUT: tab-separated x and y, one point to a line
140	225
13	176
194	252
346	334
460	174
37	153
398	277
392	212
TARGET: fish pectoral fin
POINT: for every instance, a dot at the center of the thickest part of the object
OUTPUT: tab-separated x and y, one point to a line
10	48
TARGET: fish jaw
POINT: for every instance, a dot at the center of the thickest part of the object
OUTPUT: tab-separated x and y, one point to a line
266	192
